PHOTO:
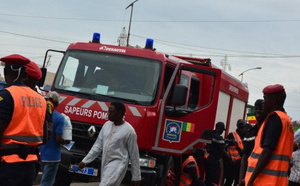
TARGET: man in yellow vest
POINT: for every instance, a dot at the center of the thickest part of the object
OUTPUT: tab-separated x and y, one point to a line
235	147
249	138
190	174
269	161
22	117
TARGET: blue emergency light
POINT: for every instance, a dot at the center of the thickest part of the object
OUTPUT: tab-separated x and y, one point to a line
149	43
96	38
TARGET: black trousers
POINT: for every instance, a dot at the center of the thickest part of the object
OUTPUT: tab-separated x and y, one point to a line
291	183
16	174
232	173
212	170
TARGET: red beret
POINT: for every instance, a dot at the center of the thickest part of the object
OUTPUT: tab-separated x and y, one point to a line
15	59
273	89
33	70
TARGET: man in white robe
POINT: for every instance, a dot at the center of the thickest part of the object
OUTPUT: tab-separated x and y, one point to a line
117	141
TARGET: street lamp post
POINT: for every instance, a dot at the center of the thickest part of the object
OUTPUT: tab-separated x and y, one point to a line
242	74
131	5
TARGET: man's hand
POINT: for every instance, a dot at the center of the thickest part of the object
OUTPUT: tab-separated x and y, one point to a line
135	183
81	165
67	142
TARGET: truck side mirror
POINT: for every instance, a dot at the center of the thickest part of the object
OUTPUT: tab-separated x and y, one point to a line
179	95
42	80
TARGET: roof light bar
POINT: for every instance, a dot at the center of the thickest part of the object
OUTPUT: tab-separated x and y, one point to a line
149	44
96	38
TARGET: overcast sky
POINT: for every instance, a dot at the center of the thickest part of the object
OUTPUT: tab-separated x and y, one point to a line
251	33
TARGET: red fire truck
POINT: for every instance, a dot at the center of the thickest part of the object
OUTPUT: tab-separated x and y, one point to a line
170	100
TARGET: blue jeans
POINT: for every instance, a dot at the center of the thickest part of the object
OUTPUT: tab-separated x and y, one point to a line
49	170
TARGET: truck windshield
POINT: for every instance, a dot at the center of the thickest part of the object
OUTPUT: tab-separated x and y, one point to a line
108	77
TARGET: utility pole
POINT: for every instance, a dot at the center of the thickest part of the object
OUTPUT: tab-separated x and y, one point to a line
224	63
122	38
131	5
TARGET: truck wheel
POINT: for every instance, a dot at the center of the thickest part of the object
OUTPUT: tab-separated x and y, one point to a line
170	175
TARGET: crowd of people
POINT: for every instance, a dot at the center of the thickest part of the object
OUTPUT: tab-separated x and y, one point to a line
264	154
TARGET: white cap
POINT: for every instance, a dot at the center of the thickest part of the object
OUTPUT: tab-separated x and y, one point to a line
53	95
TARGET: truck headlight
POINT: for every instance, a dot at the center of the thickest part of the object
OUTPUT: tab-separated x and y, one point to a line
145	162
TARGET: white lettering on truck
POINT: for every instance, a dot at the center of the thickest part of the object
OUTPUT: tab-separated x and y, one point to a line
78	111
85	112
105	48
100	115
233	89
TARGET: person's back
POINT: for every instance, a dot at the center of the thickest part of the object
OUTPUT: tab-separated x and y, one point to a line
31	106
235	147
213	161
189	172
50	152
22	116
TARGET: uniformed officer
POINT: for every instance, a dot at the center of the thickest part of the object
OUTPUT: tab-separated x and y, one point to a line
190	174
22	116
269	161
235	147
249	138
216	154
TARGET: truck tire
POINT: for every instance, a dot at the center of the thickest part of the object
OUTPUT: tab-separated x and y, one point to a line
169	176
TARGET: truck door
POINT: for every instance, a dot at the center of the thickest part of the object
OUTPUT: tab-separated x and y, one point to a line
188	108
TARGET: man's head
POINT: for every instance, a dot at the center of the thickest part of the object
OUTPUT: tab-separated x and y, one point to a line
258	110
274	97
34	73
14	69
116	111
53	96
220	127
240	123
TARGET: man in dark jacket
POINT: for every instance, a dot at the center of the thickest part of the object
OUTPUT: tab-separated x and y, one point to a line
216	152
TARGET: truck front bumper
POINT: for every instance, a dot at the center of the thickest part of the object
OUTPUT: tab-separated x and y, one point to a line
148	176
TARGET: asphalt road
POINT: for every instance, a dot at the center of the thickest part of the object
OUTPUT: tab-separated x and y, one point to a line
89	184
37	182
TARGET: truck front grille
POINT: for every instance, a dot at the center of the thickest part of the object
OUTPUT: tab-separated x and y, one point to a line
83	141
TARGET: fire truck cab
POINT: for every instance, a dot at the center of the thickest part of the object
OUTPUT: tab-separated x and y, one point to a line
170	100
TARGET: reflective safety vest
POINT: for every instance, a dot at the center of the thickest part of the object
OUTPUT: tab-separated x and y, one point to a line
276	171
206	154
185	178
25	130
232	150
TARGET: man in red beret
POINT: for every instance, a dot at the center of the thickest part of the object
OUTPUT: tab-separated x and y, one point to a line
34	74
268	163
22	117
